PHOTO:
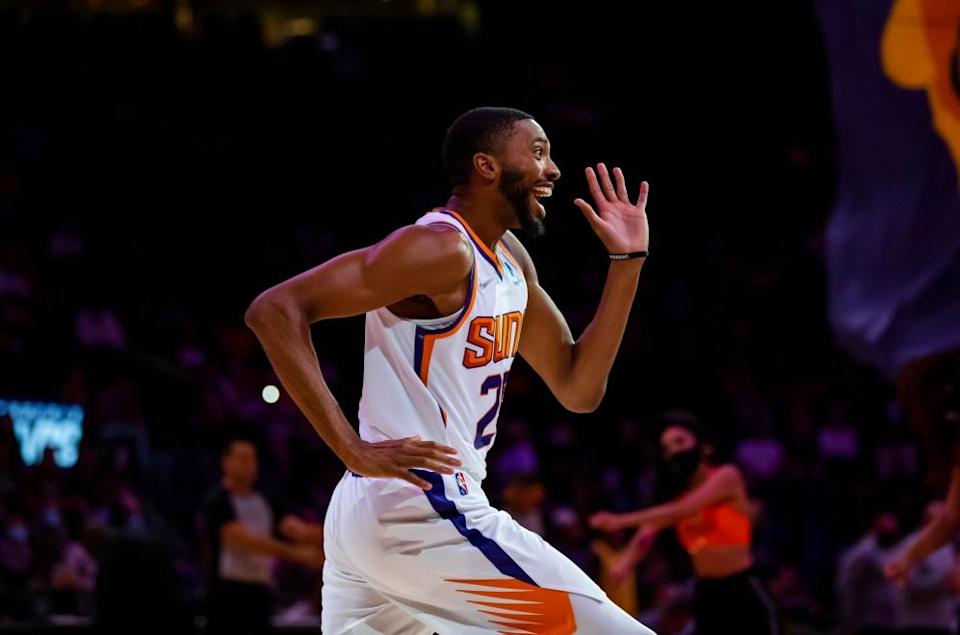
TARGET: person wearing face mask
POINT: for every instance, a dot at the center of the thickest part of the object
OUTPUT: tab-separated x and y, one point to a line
868	603
709	509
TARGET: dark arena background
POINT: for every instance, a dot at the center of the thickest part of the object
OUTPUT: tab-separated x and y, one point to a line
163	162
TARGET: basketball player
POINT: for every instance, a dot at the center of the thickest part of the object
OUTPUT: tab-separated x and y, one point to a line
412	543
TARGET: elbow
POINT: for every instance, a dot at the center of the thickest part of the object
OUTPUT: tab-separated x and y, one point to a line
582	407
263	310
586	402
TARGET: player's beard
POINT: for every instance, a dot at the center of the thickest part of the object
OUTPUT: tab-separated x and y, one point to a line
518	195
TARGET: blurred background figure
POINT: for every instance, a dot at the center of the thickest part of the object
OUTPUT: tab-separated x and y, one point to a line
924	603
898	115
16	558
869	603
246	535
74	576
713	517
936	405
619	585
523	499
930	593
138	587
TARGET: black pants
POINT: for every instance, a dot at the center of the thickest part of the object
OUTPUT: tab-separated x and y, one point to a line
238	607
735	604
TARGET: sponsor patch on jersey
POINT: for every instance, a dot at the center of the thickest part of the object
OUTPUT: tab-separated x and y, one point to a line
512	273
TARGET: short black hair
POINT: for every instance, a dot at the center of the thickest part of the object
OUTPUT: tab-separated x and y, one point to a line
681	419
238	435
477	130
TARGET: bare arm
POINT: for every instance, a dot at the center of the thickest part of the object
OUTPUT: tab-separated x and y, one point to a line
638	547
938	532
724	483
412	261
576	371
641	541
300	530
236	535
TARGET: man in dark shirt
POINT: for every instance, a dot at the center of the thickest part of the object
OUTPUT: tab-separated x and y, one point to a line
241	528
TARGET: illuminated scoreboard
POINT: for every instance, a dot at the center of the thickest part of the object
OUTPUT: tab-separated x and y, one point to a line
38	426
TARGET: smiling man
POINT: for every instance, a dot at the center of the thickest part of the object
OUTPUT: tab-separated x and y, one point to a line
412	543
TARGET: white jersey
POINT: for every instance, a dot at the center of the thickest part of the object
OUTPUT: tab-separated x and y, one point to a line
400	559
444	379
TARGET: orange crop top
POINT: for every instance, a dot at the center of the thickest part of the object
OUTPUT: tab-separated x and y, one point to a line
714	526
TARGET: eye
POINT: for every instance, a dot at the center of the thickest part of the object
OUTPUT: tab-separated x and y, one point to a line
538	152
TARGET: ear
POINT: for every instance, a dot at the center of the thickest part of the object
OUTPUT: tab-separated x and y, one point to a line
486	166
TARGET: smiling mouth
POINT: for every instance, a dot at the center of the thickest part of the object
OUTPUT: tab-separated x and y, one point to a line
543	191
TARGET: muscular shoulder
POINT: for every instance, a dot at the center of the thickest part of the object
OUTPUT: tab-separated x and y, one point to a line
436	249
522	255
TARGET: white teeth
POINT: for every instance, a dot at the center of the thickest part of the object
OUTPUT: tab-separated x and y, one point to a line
542	192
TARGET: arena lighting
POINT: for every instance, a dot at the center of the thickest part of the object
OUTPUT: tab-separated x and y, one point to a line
38	426
271	393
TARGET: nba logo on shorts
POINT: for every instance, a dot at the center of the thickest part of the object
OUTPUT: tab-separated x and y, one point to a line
461	484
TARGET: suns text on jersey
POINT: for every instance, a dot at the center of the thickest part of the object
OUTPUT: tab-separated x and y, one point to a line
492	338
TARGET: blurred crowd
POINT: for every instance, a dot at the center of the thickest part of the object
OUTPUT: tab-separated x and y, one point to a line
187	174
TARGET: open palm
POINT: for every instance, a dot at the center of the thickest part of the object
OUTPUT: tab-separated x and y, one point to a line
620	224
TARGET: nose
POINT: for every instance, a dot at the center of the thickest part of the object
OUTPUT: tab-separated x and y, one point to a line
553	172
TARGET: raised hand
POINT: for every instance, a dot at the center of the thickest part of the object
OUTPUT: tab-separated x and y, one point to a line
620	224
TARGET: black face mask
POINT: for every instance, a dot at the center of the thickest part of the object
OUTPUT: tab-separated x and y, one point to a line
682	465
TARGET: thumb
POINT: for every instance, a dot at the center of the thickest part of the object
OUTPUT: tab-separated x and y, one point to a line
592	217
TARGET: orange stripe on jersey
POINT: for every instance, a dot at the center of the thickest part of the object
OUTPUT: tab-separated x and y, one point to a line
491	256
431	338
518	316
510	255
527	609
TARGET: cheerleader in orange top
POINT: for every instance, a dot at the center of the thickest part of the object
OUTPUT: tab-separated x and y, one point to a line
712	517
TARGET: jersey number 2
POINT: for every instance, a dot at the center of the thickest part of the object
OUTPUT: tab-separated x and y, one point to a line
492	382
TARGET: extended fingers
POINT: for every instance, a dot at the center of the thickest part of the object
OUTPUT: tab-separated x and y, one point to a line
644	191
621	185
606	184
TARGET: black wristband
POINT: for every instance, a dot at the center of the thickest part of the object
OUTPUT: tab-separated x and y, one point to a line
629	255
